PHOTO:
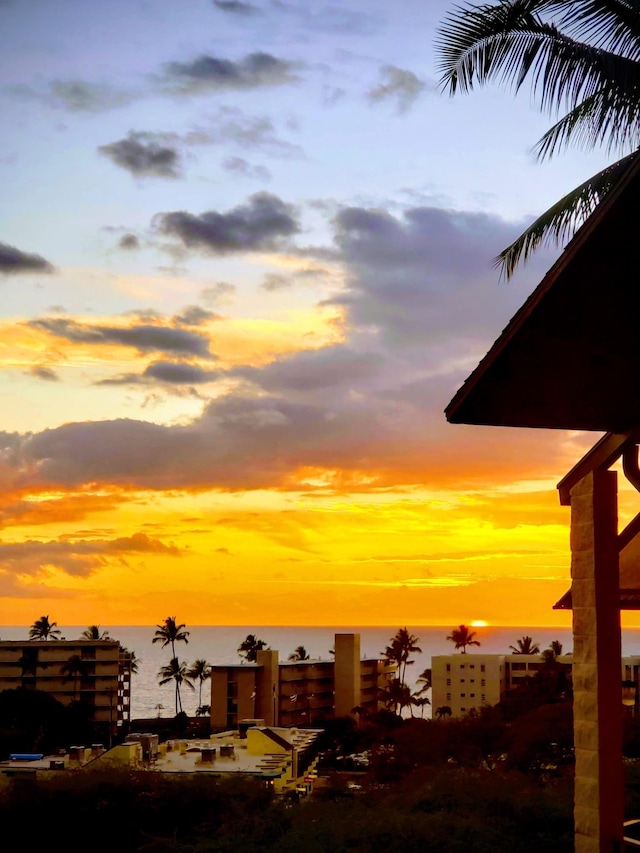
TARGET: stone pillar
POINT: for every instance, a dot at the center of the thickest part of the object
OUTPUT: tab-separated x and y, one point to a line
597	703
268	687
346	671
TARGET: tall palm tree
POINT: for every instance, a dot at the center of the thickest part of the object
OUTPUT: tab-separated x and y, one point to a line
402	645
424	680
72	670
93	632
129	659
29	663
169	633
556	647
578	57
175	671
249	648
396	696
463	637
43	629
299	653
525	646
201	670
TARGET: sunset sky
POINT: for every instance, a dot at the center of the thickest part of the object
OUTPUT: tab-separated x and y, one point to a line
245	262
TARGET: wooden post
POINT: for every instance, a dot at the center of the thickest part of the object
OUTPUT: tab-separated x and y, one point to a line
597	703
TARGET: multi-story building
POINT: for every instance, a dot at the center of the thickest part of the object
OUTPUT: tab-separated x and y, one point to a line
467	682
299	693
94	672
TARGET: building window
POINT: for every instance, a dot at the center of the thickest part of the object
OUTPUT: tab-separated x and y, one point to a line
472	695
481	667
472	681
448	682
482	697
482	682
448	697
461	666
463	709
472	666
462	681
88	654
448	667
462	695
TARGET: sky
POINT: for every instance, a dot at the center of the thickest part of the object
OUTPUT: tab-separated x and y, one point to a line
245	262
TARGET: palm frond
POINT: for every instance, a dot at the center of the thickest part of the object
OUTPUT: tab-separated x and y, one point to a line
610	24
561	220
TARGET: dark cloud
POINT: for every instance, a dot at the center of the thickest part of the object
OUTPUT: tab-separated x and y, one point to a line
144	338
239	166
129	242
209	73
262	224
399	86
220	293
76	558
179	373
235	7
77	96
194	315
13	261
144	155
42	372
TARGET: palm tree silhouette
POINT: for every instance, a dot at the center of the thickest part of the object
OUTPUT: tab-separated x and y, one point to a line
463	637
402	645
43	629
249	648
299	653
577	56
73	669
29	663
556	647
201	670
93	633
169	633
175	671
525	646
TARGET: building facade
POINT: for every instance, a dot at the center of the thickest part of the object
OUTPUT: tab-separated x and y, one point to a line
469	682
299	693
94	672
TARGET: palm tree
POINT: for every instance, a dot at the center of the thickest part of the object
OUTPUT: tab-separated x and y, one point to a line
402	645
396	696
169	633
556	647
93	633
29	663
420	702
525	646
73	669
299	653
130	661
201	670
249	648
424	679
443	711
463	637
43	629
175	671
582	56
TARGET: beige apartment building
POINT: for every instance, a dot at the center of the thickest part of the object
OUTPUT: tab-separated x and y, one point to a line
298	693
468	682
94	672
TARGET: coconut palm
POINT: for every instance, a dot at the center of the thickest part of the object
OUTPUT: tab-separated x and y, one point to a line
299	653
249	648
402	645
396	696
169	633
129	660
201	670
72	670
578	56
525	646
175	671
463	637
43	629
556	647
420	702
29	664
424	680
93	632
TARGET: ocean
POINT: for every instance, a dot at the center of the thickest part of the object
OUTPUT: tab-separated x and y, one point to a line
218	645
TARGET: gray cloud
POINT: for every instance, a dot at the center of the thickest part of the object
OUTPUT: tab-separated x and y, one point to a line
42	372
276	281
76	558
399	86
144	155
13	261
79	96
231	126
144	338
239	166
129	242
235	7
209	73
166	373
220	293
261	224
194	315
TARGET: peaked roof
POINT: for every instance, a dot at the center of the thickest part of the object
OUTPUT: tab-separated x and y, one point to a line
570	357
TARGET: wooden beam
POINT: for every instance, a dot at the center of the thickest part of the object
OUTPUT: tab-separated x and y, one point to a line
601	456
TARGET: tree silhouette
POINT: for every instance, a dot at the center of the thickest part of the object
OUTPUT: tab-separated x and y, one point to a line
580	56
401	646
130	661
29	663
556	647
249	648
169	633
175	671
200	669
93	633
299	653
463	637
72	670
43	629
443	711
525	646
